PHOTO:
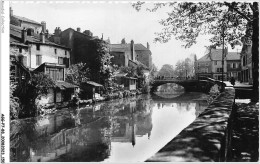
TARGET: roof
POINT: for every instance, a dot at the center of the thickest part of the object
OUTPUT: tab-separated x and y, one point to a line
94	84
216	54
64	85
204	58
126	47
16	34
49	65
140	47
26	20
233	56
119	47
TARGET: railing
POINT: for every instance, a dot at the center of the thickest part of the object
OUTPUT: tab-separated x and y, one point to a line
173	78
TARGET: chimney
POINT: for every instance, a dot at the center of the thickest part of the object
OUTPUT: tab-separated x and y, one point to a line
11	11
123	41
78	29
43	26
132	50
42	37
24	35
148	46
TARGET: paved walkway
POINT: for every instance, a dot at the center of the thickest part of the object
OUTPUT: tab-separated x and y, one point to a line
245	136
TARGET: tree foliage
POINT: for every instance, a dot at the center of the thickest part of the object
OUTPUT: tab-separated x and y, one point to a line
39	85
166	70
228	20
77	73
188	20
99	61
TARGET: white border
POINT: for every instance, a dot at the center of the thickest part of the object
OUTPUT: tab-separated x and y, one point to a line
4	68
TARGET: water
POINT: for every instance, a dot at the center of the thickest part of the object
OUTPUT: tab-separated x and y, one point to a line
126	130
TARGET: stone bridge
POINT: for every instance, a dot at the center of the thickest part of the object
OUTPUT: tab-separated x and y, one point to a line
202	84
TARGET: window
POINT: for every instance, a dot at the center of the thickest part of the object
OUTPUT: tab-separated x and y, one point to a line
30	32
66	61
55	50
219	69
65	52
37	46
206	64
56	74
216	62
20	50
60	60
38	59
234	65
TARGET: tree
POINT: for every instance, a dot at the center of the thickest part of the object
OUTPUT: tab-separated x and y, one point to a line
188	20
99	61
77	73
166	71
38	86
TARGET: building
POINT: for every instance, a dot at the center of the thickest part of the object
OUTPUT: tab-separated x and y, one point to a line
210	65
203	66
38	49
32	26
216	56
124	55
131	55
80	43
63	91
37	53
129	83
246	61
143	54
233	65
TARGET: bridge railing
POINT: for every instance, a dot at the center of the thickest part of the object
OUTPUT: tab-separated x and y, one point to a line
174	78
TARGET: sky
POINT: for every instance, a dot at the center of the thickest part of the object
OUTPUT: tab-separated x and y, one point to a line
115	21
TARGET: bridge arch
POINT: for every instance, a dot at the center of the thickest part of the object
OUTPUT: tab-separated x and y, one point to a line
190	85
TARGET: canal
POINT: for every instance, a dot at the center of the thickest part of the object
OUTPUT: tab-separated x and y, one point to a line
125	130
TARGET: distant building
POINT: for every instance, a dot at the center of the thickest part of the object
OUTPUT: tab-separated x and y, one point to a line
32	26
233	65
210	65
246	61
131	54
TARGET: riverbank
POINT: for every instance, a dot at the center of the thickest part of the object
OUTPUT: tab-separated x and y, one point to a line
205	139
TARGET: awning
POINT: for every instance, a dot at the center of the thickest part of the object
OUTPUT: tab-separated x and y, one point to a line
94	84
64	85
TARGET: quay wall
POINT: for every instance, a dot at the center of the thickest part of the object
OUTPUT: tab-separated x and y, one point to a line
207	139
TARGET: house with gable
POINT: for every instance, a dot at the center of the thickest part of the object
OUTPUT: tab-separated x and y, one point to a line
38	54
130	55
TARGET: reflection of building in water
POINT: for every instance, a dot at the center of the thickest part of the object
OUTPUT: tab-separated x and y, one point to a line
138	123
72	141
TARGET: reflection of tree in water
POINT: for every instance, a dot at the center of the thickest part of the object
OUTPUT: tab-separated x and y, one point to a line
22	134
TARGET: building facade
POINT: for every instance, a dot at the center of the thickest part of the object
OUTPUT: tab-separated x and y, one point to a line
233	65
38	54
246	64
210	65
79	42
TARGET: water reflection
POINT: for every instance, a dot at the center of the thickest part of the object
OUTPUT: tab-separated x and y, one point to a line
126	130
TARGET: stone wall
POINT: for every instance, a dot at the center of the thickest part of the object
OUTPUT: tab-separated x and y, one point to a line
207	139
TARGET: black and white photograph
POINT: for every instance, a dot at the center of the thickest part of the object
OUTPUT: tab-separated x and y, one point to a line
129	81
